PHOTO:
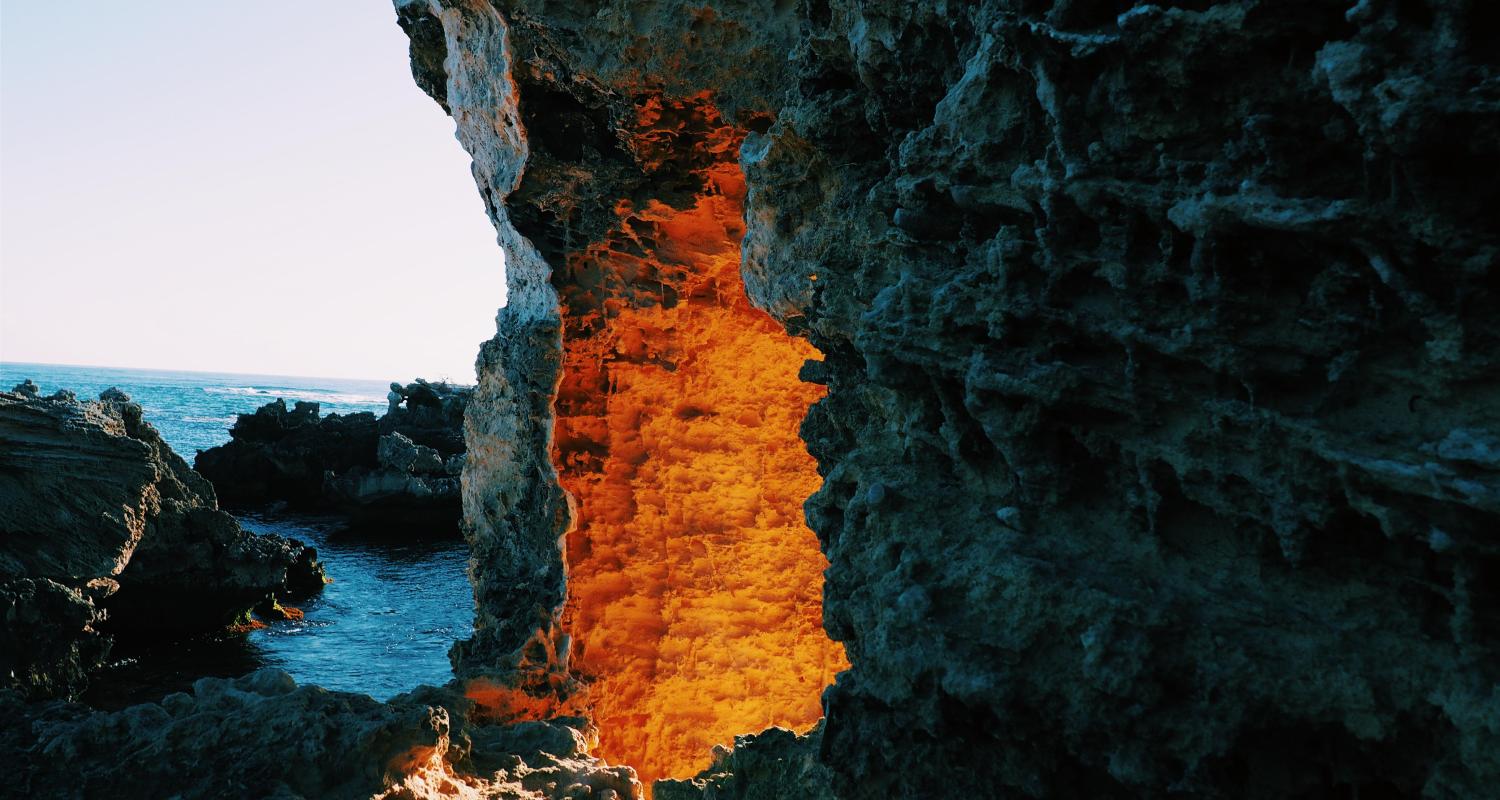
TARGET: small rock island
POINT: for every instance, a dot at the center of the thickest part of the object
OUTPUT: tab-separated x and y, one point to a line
399	472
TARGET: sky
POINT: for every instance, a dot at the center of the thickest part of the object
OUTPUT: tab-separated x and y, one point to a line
234	187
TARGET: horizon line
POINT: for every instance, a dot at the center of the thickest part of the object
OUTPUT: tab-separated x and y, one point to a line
387	381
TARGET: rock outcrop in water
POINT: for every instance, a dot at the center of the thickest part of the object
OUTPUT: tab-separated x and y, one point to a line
398	472
1159	450
264	736
103	529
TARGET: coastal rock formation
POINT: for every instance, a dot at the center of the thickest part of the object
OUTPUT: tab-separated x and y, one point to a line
281	454
1159	445
49	635
264	736
641	409
770	765
398	471
411	485
104	529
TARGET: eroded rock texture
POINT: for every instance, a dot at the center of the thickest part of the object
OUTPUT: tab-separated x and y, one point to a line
103	527
670	418
770	765
693	600
264	736
1161	444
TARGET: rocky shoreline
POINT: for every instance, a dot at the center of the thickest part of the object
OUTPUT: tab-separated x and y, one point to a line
395	473
105	532
1158	449
106	536
263	736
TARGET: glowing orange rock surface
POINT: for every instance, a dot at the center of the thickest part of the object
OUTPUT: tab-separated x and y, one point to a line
694	584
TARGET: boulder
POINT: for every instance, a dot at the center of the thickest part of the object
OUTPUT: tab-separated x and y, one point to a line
397	453
411	487
103	529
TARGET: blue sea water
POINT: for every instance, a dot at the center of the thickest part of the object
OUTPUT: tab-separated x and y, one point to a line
385	623
193	410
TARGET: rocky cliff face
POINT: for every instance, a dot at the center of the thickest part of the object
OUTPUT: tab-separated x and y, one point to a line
1161	444
104	529
396	473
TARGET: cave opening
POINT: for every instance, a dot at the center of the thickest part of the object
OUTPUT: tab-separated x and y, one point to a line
694	602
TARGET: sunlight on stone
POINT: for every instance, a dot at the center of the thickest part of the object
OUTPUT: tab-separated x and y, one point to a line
694	583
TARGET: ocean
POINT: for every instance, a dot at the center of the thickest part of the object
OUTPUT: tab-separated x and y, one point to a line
395	606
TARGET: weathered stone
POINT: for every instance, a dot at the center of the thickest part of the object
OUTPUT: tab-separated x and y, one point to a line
1163	329
770	765
97	514
264	736
276	454
77	488
49	636
397	453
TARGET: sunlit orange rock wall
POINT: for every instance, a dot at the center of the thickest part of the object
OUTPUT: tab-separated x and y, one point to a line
694	585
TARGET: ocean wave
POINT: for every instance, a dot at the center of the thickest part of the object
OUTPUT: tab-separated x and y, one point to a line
313	395
230	418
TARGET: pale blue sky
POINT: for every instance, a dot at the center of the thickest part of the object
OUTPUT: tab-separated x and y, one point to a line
233	187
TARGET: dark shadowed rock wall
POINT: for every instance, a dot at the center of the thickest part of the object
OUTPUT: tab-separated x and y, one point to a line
1161	450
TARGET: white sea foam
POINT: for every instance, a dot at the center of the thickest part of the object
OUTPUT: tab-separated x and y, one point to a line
313	395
